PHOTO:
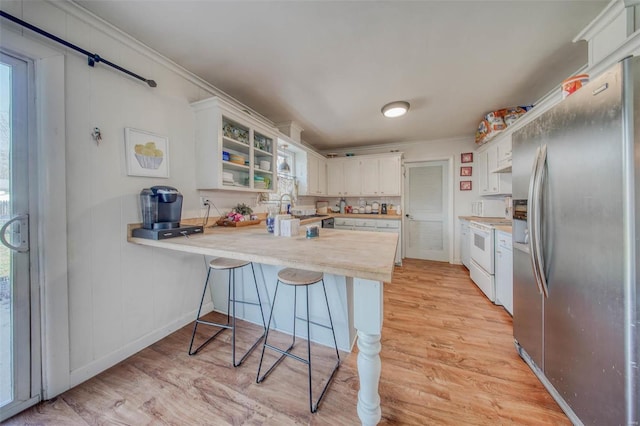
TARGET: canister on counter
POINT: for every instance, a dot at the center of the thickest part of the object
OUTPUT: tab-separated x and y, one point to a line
313	231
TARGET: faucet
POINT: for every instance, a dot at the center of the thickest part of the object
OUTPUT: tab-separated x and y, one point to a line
280	202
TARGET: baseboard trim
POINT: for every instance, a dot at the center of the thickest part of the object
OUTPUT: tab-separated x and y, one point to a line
98	366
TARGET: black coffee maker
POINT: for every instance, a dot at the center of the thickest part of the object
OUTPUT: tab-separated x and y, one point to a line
161	207
161	213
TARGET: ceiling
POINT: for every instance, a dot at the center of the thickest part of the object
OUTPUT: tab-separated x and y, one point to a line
332	65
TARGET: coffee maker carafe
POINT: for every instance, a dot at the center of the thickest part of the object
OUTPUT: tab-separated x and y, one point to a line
161	207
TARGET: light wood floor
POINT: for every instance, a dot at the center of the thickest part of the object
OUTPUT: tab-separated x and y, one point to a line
447	359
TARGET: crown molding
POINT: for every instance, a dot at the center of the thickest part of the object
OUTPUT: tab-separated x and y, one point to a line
604	18
77	11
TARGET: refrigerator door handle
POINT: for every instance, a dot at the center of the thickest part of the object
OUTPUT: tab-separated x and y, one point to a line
537	234
531	218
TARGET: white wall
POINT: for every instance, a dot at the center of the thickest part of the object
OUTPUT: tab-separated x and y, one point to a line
121	297
437	150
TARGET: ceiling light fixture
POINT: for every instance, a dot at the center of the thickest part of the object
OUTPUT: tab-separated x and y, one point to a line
395	109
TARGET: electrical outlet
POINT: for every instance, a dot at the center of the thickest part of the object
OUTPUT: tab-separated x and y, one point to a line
204	202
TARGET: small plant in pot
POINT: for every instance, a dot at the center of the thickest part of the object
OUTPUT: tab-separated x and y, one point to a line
243	210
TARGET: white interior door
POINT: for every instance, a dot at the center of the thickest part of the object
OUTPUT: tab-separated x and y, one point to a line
427	210
19	368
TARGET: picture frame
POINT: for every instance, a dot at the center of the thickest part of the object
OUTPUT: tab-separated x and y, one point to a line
465	185
146	153
466	157
466	171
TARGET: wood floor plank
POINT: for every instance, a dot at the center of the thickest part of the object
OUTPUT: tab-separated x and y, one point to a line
447	359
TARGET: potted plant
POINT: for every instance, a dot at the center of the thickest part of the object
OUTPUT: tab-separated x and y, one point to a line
244	210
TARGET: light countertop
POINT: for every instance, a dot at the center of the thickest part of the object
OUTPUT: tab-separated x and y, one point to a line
490	220
360	254
503	228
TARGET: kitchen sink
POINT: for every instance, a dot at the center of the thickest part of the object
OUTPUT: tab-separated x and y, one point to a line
309	216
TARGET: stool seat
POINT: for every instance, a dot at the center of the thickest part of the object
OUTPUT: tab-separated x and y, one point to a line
224	263
293	276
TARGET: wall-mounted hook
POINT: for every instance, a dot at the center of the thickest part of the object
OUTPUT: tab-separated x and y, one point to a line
97	135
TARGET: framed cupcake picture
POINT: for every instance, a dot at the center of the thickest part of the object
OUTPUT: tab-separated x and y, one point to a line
147	154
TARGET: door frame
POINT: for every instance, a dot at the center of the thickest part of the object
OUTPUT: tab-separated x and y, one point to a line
48	225
26	390
450	203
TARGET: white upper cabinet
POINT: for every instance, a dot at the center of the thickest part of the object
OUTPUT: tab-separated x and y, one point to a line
352	184
316	175
234	151
490	183
370	176
343	177
381	176
503	148
390	176
322	176
335	177
373	175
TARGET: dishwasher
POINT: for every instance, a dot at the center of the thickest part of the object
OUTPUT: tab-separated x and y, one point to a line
328	223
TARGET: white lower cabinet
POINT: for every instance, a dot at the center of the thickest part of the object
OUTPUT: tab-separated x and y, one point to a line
504	270
373	225
465	243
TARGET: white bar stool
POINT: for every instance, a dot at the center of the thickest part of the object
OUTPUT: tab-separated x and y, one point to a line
296	278
231	265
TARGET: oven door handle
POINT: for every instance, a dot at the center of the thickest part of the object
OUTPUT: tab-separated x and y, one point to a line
479	229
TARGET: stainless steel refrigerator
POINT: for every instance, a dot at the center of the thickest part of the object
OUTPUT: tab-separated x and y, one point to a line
576	197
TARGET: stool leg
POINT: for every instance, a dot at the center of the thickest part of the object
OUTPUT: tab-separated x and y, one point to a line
295	305
326	299
266	336
258	293
267	345
335	368
233	326
233	319
195	326
228	296
311	407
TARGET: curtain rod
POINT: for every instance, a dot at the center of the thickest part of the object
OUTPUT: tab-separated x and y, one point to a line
92	58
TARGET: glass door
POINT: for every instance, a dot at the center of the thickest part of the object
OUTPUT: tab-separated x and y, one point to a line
19	370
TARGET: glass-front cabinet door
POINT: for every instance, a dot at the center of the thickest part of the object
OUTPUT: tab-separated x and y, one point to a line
234	150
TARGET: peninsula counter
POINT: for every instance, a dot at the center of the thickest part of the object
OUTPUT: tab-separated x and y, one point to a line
364	259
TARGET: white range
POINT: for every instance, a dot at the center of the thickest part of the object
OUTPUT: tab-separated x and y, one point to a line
482	255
